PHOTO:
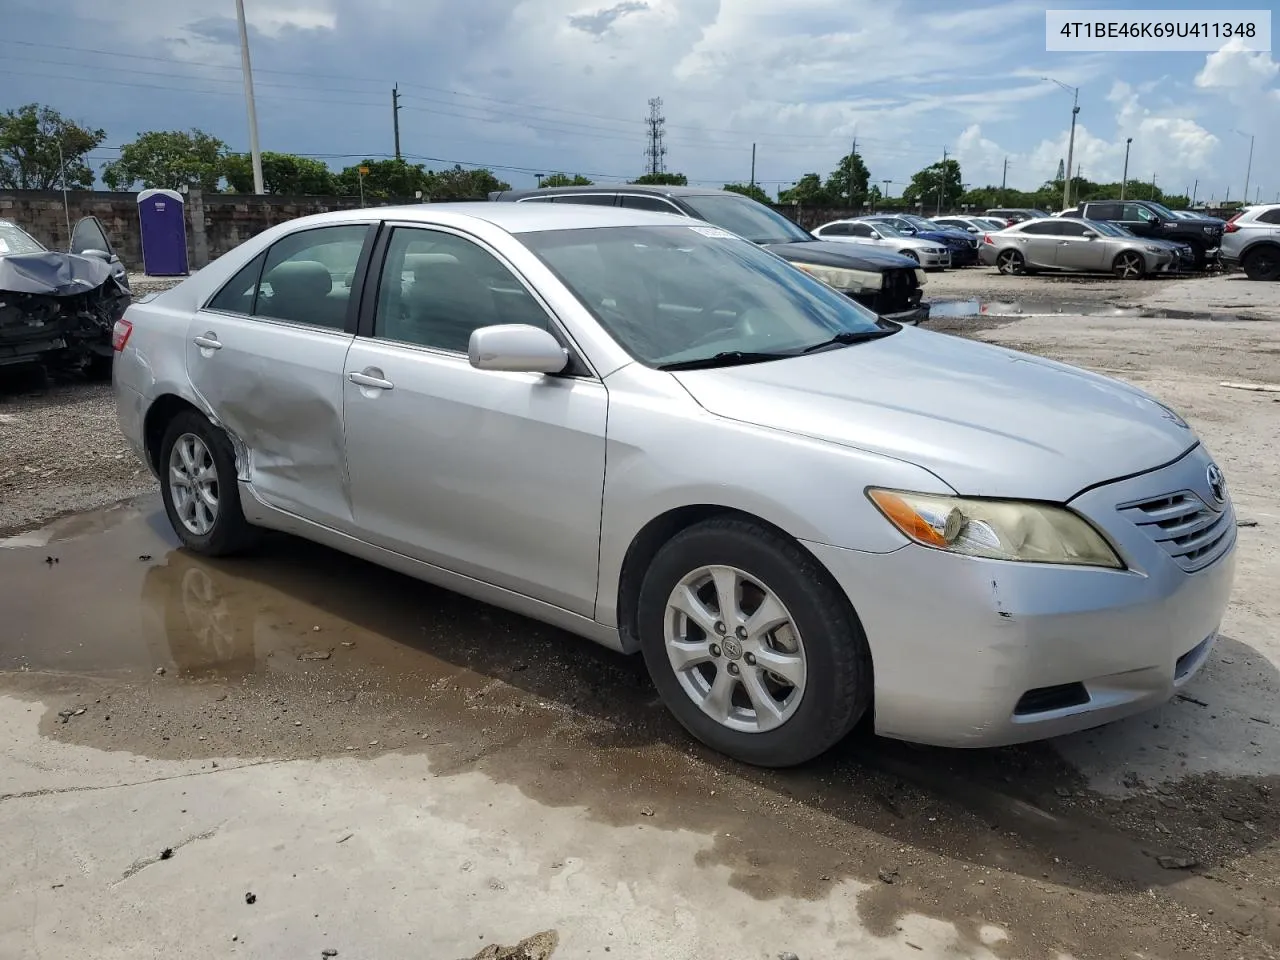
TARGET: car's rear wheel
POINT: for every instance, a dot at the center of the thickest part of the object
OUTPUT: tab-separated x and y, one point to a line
1129	265
197	468
1010	262
1262	264
751	646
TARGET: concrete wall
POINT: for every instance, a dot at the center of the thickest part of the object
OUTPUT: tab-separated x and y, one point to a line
215	222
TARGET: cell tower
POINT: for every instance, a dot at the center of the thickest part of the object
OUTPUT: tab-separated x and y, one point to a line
655	152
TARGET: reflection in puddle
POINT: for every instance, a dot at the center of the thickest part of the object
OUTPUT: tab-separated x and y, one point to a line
975	307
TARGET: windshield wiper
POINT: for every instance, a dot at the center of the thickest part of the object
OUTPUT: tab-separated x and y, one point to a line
852	336
728	358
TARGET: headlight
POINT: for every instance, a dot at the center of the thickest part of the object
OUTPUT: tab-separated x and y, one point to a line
1154	249
844	279
921	277
996	529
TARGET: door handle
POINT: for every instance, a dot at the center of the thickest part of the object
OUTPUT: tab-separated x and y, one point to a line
374	383
208	342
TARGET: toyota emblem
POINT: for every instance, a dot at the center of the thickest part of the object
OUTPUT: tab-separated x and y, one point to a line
1217	483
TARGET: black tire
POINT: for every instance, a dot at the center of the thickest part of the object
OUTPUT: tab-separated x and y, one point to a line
98	366
1262	263
1128	261
838	681
230	532
910	255
1010	263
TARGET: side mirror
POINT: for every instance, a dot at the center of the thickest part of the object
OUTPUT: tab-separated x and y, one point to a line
97	255
1091	236
516	348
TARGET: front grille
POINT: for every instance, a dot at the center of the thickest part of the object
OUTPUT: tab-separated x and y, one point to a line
1191	531
896	291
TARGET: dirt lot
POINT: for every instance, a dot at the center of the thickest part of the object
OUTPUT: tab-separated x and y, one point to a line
392	771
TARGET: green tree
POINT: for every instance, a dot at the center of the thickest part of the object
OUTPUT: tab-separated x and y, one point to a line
663	180
848	182
168	159
283	174
748	190
461	184
29	140
937	184
808	190
385	178
564	180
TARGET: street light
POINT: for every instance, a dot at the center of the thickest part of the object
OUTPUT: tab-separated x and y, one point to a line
1071	141
1249	169
1125	179
247	70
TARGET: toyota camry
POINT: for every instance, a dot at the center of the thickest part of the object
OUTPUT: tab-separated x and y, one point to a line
658	435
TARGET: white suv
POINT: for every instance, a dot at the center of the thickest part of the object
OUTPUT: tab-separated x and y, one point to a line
1252	241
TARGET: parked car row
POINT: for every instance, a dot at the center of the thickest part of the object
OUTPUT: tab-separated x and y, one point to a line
931	243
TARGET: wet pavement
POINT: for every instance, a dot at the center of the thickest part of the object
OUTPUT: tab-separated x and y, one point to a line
1013	309
299	651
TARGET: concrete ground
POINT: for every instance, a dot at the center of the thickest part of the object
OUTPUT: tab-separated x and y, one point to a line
388	770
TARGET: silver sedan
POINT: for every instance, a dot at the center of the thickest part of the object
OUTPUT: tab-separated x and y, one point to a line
662	437
1075	246
930	254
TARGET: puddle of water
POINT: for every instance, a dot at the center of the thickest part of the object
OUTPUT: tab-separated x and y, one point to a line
975	307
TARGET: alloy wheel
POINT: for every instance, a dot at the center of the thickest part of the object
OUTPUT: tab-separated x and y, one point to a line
1009	261
1129	266
735	649
193	484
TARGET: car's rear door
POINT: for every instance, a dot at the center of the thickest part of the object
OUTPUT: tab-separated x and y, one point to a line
1037	243
495	475
266	355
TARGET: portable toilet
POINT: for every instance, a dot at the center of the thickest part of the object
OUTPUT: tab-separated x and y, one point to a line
162	217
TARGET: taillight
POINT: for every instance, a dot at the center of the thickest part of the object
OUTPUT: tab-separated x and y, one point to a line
120	334
986	238
1232	226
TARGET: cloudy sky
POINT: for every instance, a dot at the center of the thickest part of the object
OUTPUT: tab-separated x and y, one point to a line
532	86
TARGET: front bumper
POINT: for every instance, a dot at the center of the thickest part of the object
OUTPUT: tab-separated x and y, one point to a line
963	256
978	653
934	261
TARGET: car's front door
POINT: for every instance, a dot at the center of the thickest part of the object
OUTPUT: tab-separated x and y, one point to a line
266	355
498	476
1079	248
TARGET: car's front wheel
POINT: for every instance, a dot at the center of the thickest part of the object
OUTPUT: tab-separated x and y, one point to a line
751	646
910	255
197	468
1129	265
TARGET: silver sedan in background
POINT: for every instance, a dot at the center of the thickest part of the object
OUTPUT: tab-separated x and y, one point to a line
930	254
1074	246
654	433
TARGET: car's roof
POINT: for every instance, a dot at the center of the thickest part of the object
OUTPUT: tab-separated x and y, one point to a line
511	217
661	190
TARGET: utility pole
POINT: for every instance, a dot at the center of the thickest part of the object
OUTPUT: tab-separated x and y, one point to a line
655	151
1124	180
247	69
753	165
1153	186
942	182
853	152
395	115
1194	191
1071	140
1004	178
1249	169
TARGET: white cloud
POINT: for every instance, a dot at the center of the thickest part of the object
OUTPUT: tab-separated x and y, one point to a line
1234	67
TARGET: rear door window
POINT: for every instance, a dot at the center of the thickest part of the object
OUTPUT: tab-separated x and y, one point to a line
656	204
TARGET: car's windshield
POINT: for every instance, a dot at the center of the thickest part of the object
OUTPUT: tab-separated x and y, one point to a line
675	294
746	218
887	229
1161	211
920	223
13	239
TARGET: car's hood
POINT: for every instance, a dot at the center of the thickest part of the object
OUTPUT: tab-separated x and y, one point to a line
986	420
51	273
833	253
